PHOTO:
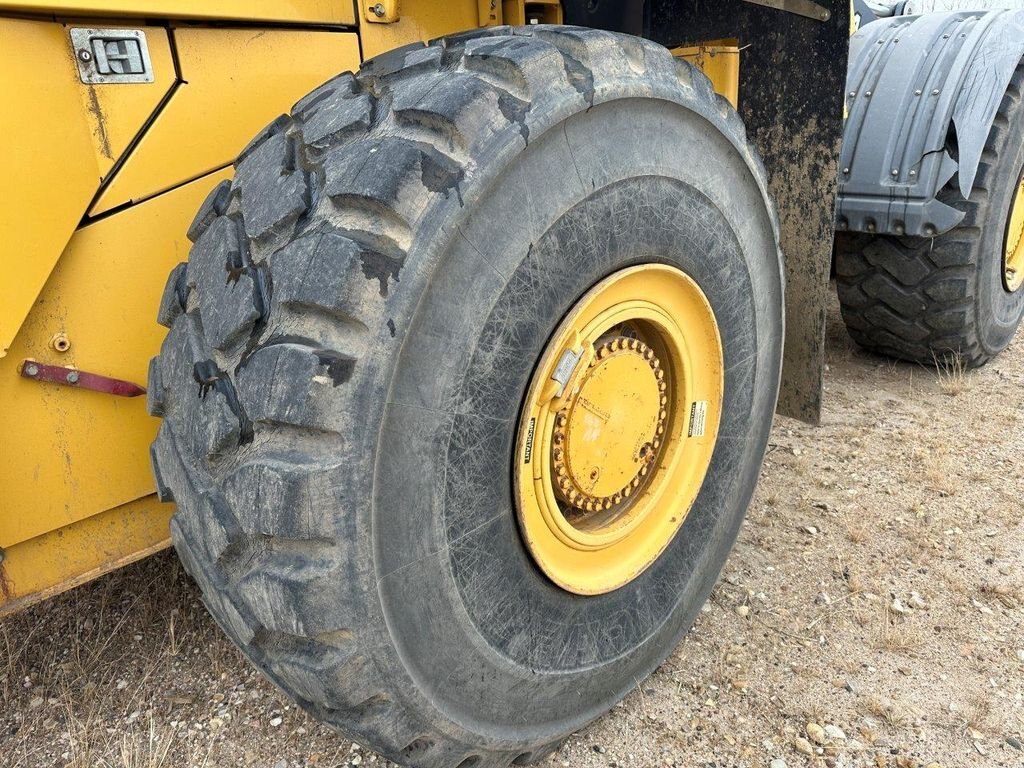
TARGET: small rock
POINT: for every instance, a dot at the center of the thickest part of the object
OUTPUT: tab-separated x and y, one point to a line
916	601
216	723
599	749
275	721
835	732
810	529
281	764
356	759
121	685
803	746
777	763
981	607
1015	743
854	746
816	733
36	702
897	606
743	611
822	599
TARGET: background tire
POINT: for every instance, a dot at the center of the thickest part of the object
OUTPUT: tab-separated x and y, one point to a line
925	299
350	344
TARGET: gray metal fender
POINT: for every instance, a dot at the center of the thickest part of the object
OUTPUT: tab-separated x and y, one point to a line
922	92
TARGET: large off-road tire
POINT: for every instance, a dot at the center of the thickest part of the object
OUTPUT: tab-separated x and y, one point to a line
926	299
351	341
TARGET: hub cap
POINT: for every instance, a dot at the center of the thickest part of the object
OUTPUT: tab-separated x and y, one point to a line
618	428
1013	259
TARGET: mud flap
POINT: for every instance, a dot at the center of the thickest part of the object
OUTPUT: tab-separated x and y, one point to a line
792	75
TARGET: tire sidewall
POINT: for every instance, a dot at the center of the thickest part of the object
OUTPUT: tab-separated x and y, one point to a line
486	638
999	311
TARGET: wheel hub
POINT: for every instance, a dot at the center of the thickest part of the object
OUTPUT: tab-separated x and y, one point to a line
618	428
607	436
1013	259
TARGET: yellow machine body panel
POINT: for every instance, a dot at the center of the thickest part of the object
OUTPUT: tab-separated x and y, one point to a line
413	20
234	81
97	206
720	61
388	24
295	11
49	183
73	453
118	115
46	565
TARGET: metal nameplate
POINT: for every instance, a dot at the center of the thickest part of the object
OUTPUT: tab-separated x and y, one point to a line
111	55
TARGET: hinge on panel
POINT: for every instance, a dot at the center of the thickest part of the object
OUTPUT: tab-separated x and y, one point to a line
380	11
800	7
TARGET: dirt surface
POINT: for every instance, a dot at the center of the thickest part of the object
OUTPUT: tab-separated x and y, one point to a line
869	616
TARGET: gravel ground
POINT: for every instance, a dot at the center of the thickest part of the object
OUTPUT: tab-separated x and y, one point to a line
869	616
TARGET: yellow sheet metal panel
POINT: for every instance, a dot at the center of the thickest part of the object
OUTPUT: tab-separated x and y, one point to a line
720	61
236	81
418	20
308	11
117	112
50	172
46	565
69	453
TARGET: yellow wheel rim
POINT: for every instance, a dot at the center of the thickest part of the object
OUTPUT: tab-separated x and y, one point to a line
1013	259
618	428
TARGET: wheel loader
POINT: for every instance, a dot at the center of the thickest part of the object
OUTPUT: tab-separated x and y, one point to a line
443	340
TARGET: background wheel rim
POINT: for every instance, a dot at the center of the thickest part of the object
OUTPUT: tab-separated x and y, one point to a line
618	428
1013	256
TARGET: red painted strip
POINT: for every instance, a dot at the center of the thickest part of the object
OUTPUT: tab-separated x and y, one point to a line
72	377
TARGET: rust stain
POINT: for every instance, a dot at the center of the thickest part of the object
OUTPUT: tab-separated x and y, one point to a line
6	587
101	123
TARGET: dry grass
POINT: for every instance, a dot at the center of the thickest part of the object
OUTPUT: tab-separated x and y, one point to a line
886	710
897	633
857	532
952	373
